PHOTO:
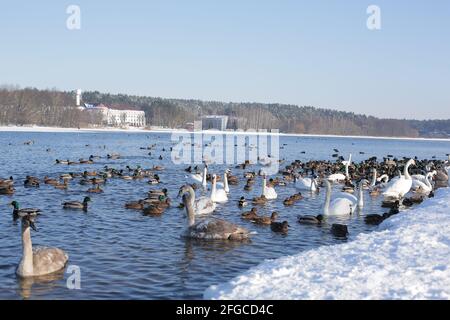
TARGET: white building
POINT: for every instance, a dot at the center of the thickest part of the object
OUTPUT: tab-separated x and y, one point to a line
215	122
119	116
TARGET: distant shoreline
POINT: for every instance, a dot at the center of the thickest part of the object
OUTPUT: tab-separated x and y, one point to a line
138	130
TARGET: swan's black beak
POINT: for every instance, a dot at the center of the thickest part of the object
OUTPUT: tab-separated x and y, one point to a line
33	226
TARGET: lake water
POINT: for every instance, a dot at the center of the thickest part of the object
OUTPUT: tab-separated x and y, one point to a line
125	255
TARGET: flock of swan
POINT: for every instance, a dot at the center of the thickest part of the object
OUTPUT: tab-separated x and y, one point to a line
382	178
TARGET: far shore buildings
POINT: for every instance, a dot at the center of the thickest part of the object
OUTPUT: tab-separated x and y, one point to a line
117	115
214	122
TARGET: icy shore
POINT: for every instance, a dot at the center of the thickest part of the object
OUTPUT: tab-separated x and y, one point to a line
407	258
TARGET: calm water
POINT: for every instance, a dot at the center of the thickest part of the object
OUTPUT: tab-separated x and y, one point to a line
125	255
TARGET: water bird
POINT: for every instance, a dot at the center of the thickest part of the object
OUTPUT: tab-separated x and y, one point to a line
77	205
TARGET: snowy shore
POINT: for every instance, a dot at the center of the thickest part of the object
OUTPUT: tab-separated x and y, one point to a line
168	130
407	258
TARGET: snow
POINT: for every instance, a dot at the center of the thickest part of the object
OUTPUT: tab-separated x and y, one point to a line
407	258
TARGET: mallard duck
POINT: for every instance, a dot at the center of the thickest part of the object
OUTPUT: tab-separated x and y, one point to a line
266	220
154	210
31	182
280	227
155	194
50	181
8	190
297	196
260	200
289	201
136	205
96	189
154	180
242	202
373	219
62	161
250	215
339	230
66	176
308	219
77	205
62	186
25	211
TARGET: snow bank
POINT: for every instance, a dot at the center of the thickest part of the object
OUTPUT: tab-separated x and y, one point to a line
407	258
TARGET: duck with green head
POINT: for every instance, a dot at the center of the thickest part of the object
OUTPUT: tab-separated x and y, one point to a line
77	205
25	211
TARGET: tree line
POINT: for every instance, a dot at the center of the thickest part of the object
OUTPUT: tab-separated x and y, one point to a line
57	108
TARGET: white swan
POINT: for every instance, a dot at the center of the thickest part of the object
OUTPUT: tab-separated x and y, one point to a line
400	186
308	184
423	187
344	205
339	176
224	184
38	261
374	178
217	195
201	178
268	192
210	229
202	205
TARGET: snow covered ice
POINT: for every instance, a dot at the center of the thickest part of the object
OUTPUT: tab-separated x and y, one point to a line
408	257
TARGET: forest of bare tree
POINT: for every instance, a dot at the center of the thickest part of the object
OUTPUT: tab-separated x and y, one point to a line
31	106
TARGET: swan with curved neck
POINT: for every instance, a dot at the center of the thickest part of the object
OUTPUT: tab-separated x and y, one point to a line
38	261
268	192
424	187
202	205
400	187
210	229
217	195
308	184
343	205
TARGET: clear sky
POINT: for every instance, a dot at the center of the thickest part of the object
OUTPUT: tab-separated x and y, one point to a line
317	53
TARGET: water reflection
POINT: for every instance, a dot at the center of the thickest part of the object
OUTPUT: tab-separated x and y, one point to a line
39	286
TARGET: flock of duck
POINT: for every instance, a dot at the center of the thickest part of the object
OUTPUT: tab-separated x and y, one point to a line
391	178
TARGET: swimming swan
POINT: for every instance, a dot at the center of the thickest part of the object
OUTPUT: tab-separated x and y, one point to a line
268	192
218	195
201	178
38	261
202	205
308	184
400	186
210	229
345	204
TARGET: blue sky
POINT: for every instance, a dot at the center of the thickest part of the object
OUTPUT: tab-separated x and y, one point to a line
317	53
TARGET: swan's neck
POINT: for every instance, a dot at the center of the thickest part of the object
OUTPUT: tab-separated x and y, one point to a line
27	258
374	178
361	197
327	199
264	184
406	172
427	181
225	182
191	196
189	211
346	171
205	173
213	189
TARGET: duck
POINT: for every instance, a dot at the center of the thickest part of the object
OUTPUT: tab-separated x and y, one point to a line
31	182
266	220
154	210
242	202
17	211
289	201
154	180
250	215
50	181
62	161
77	205
7	190
136	205
202	205
339	230
38	261
280	227
309	219
210	229
62	186
96	189
260	200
